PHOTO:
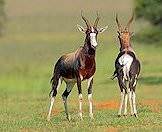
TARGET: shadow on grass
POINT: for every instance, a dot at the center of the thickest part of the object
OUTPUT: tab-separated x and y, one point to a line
152	80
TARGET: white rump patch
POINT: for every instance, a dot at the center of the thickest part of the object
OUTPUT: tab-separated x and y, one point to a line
126	60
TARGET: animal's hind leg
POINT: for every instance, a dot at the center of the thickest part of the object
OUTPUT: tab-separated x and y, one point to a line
123	91
125	103
133	95
130	100
125	98
121	103
134	103
66	93
55	85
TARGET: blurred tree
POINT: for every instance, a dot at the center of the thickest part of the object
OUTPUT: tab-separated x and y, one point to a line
2	16
150	10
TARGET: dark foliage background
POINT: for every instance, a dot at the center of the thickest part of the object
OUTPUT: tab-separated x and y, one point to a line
150	10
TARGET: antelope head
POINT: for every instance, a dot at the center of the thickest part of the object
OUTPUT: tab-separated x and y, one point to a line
124	34
91	31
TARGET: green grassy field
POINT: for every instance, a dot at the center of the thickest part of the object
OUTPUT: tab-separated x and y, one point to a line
38	32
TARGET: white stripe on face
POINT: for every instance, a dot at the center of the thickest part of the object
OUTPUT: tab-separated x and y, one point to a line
93	39
92	29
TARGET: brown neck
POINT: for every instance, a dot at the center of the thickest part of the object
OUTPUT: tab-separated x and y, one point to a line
88	49
126	48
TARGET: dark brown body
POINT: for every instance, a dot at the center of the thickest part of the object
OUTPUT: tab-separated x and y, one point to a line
73	68
78	63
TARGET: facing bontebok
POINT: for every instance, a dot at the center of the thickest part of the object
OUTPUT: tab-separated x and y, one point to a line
75	67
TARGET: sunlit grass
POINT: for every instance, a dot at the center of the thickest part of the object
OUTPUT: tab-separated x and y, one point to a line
27	68
31	46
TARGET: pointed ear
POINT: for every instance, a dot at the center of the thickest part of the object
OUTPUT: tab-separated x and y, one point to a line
81	28
101	30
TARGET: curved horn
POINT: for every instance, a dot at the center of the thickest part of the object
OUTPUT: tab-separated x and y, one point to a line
130	21
86	20
117	21
97	20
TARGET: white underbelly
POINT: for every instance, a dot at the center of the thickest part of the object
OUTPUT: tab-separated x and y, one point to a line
69	80
72	80
126	60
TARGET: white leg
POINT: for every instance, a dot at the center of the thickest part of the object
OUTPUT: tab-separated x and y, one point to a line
121	103
52	100
125	103
90	106
80	106
50	109
90	83
130	101
134	104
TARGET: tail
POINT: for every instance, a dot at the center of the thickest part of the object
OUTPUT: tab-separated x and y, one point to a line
55	78
54	82
51	82
115	74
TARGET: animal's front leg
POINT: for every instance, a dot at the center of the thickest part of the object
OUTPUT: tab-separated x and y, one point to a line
80	97
90	83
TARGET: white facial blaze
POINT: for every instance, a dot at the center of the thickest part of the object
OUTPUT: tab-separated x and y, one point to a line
93	38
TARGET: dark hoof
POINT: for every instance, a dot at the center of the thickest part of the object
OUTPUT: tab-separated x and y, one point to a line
135	115
119	115
68	118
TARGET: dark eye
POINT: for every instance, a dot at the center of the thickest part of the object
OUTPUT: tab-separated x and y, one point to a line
96	31
88	31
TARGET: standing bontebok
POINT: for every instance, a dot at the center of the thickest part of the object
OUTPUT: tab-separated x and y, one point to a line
127	69
76	67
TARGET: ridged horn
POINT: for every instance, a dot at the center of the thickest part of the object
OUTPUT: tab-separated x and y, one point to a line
86	20
129	22
96	21
118	23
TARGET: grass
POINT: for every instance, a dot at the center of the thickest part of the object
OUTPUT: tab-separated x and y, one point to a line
32	44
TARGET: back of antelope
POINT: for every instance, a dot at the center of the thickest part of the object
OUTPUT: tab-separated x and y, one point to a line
127	69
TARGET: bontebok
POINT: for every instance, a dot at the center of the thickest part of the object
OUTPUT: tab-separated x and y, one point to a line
75	67
127	69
